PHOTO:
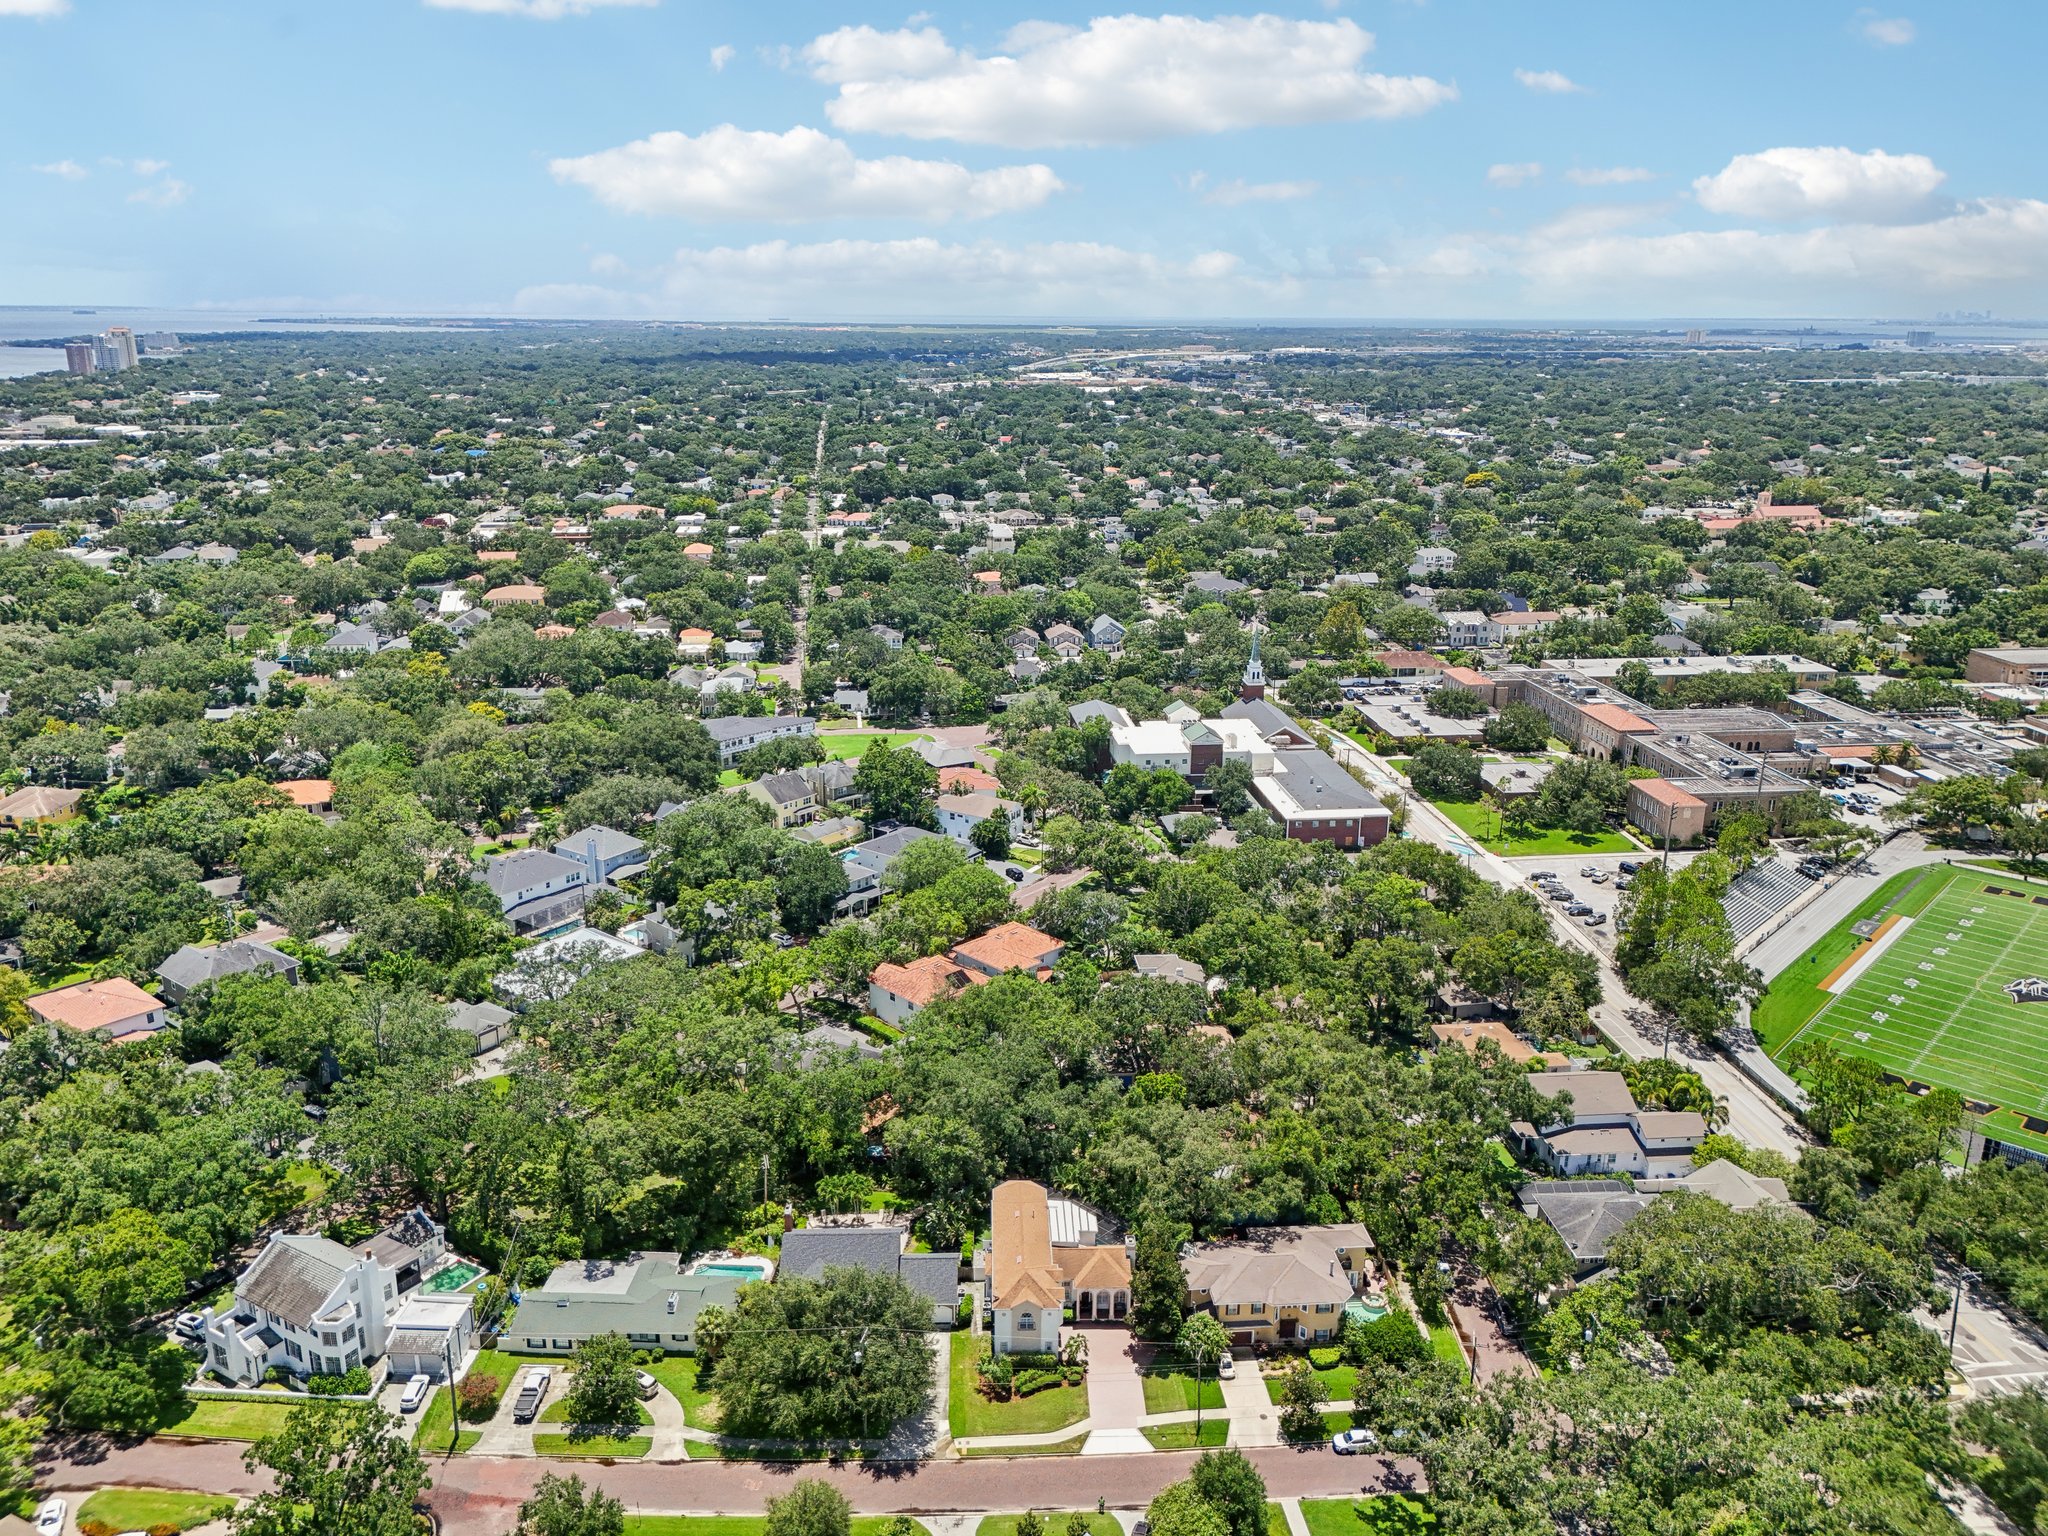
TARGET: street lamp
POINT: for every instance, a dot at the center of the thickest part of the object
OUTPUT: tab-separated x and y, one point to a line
1201	1360
1964	1275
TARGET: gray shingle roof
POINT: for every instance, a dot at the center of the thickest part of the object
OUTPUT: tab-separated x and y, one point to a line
809	1251
611	842
934	1276
293	1276
194	965
727	729
510	872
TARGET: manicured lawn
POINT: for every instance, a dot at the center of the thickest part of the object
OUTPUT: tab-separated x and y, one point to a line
1794	995
1055	1524
557	1412
839	744
215	1418
1338	1381
971	1414
1276	1518
617	1447
678	1373
1444	1342
1385	1514
711	1450
731	776
1333	1424
137	1509
752	1525
1481	822
436	1419
1181	1436
1068	1447
1174	1391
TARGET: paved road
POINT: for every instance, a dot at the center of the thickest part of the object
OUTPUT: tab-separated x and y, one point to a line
479	1495
1753	1115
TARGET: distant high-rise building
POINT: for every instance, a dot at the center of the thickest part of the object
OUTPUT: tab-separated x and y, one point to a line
1919	338
78	357
1694	337
160	341
121	342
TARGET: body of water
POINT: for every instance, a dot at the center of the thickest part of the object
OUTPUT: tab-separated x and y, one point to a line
22	322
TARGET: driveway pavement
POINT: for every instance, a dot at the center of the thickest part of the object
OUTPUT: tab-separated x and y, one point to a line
1477	1307
1116	1392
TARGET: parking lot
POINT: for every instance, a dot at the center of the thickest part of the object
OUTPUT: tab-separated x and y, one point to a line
1601	894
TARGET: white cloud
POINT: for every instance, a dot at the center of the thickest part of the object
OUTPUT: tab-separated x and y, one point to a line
167	193
1607	175
148	167
1229	194
723	55
1118	80
842	278
70	170
1549	82
731	173
1890	31
1837	183
1513	175
537	10
41	10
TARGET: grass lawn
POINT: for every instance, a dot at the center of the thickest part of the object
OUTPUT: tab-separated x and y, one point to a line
1172	1391
435	1421
838	744
1339	1381
1181	1436
1385	1514
1333	1424
557	1412
136	1509
971	1414
218	1418
616	1447
1794	995
1068	1447
310	1180
730	776
678	1373
1444	1342
712	1450
1481	823
1055	1524
1932	1006
1030	858
1276	1518
751	1525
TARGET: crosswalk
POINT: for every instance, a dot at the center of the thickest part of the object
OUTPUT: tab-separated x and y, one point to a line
1755	897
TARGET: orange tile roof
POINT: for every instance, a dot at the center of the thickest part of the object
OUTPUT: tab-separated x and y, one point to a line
1103	1267
1664	792
954	780
1468	677
923	982
1849	750
1470	1032
1020	1247
91	1005
307	793
1008	947
492	556
516	592
1615	718
553	632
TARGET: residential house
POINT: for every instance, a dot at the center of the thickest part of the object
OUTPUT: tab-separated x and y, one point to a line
1468	628
1604	1132
487	1025
1432	560
867	862
605	853
115	1009
832	780
694	641
1023	643
1011	947
892	638
1170	968
1066	641
1105	634
735	735
537	890
1213	584
192	966
1512	626
941	754
853	700
555	965
311	1306
651	1298
314	795
1281	1285
898	993
1044	1253
38	805
880	1246
960	814
515	593
789	796
1587	1213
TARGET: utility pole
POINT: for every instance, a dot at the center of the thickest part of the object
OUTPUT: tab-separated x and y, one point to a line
1201	1360
1963	1276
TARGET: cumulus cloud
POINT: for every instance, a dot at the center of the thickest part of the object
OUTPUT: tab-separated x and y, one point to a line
167	193
536	10
723	55
732	173
69	170
1229	194
41	10
1889	31
1784	184
1549	82
1513	174
922	276
1118	80
1607	175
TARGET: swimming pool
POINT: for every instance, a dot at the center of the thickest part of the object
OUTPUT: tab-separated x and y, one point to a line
752	1269
453	1278
1364	1311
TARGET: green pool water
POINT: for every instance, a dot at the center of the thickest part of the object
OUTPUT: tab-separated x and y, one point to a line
453	1278
1364	1311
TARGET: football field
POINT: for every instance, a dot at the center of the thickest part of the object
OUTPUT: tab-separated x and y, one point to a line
1933	1006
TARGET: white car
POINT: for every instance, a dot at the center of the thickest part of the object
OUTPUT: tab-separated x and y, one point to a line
1352	1441
415	1393
1226	1368
50	1517
646	1384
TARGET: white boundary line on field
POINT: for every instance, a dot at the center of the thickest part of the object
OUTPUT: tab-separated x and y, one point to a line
1868	958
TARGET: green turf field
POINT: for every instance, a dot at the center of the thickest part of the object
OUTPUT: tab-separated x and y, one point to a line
1932	1007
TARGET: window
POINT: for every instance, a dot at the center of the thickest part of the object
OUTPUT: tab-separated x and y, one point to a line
328	1338
355	1358
293	1351
1258	1309
1230	1310
1326	1306
1027	1321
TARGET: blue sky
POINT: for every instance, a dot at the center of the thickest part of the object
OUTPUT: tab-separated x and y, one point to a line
693	159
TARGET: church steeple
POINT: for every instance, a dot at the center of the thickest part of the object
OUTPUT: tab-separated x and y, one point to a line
1254	685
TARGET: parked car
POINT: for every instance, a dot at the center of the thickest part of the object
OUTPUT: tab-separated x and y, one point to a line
1352	1441
1542	875
647	1384
1599	877
1595	919
531	1390
1558	893
415	1393
189	1325
1577	909
1589	871
1630	866
1226	1368
50	1517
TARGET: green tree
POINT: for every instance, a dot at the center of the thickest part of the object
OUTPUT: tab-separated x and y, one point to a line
991	836
899	786
812	1507
1159	1290
336	1469
1302	1395
1203	1339
1517	728
1441	771
1180	1510
2015	1429
1231	1485
562	1506
813	1359
604	1381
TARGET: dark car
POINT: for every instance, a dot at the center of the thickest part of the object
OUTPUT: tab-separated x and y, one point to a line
1577	909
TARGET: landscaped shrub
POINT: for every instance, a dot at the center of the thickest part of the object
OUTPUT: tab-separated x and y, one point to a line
96	1528
1390	1340
165	1528
476	1399
351	1383
995	1377
1326	1356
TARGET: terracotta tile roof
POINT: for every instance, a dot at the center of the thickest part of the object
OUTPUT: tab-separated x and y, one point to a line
1664	792
91	1005
1615	718
1009	947
1103	1267
307	793
961	780
925	981
516	592
1020	1259
1466	677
